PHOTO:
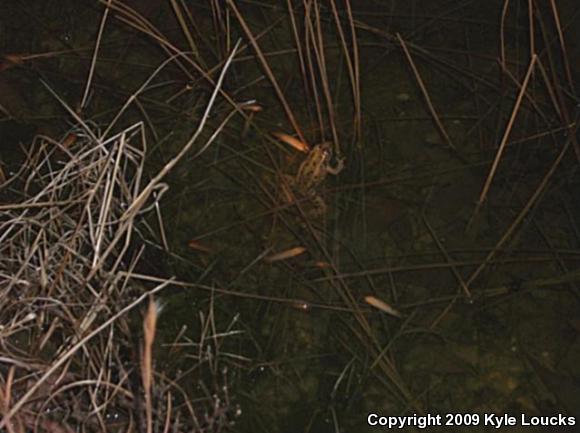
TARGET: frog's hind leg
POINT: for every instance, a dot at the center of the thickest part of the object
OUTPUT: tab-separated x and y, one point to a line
287	187
319	206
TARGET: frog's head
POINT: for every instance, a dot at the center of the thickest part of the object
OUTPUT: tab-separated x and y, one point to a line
333	167
326	149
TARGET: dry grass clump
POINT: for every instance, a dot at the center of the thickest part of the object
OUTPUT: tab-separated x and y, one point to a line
72	232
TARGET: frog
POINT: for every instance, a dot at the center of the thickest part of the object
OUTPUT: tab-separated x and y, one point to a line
312	173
